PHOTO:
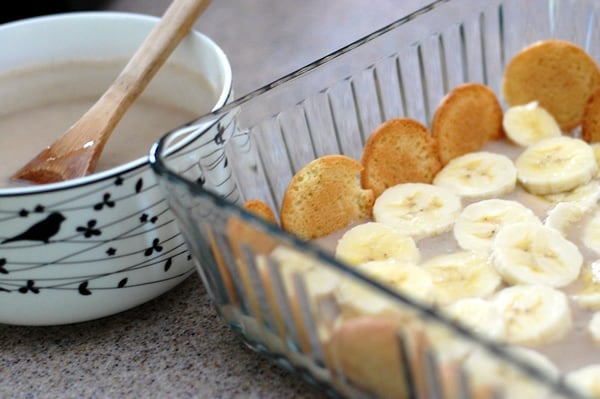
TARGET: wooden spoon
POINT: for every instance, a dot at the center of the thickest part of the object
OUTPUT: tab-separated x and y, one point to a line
76	152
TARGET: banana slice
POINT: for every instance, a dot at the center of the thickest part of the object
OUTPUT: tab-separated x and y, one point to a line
479	315
585	380
478	175
529	123
487	372
586	195
376	241
409	279
478	223
563	215
535	315
556	164
591	233
587	294
571	206
594	328
417	209
359	299
461	274
318	279
531	253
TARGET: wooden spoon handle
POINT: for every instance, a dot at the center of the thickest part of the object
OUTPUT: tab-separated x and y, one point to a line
174	25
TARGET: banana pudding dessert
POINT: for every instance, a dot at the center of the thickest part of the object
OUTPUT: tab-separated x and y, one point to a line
490	216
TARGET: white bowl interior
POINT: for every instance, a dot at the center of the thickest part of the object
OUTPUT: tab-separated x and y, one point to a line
111	38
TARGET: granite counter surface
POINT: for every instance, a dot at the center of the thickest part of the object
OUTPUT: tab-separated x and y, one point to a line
176	346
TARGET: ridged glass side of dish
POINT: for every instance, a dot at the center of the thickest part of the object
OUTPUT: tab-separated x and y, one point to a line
279	292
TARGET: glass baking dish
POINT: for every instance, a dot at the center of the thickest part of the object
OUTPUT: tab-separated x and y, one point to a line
277	291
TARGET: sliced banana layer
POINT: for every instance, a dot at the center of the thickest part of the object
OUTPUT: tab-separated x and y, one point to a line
417	209
408	279
488	372
535	315
591	233
376	241
319	279
478	175
529	123
572	206
461	274
585	380
531	253
479	315
475	313
587	294
556	164
479	222
586	195
563	215
594	328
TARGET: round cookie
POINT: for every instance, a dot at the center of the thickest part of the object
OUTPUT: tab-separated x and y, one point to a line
367	350
325	196
400	150
468	117
240	234
260	209
558	74
590	125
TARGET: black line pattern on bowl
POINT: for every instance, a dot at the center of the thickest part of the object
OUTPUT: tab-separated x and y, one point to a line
27	285
167	257
144	244
25	212
126	234
42	231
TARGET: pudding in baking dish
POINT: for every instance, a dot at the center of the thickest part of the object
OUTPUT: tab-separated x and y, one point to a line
491	216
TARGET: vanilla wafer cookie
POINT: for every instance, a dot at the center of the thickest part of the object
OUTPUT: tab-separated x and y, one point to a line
245	239
590	125
400	150
241	232
467	117
558	74
260	209
366	349
325	196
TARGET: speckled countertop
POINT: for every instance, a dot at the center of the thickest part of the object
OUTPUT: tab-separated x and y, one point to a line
176	346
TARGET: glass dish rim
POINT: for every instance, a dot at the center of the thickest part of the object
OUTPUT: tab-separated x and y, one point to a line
158	153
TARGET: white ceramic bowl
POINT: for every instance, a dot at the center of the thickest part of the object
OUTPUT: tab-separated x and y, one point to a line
98	245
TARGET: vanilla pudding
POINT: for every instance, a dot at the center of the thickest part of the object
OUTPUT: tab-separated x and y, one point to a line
39	104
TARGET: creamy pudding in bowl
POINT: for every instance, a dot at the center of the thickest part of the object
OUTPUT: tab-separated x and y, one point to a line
39	104
97	245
